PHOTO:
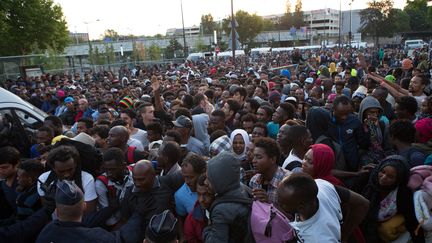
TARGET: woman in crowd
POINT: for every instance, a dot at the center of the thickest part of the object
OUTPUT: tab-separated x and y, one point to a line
391	214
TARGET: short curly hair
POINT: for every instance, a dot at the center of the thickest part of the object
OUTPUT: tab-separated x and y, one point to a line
270	147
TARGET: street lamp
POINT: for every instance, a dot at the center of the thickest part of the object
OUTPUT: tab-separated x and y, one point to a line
350	30
88	36
233	33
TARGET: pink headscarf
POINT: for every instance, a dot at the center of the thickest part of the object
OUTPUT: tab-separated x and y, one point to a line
323	163
424	129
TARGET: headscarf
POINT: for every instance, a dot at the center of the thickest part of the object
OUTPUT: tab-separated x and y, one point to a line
402	169
332	67
220	145
424	129
323	163
246	140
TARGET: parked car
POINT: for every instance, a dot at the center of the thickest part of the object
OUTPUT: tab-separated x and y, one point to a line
19	122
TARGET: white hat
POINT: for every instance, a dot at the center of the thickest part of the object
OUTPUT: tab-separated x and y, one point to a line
84	138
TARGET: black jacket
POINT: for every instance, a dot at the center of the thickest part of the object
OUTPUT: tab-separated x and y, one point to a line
73	232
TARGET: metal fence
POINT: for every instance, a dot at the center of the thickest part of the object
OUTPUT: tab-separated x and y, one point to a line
11	66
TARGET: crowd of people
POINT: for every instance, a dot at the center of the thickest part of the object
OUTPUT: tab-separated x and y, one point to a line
330	145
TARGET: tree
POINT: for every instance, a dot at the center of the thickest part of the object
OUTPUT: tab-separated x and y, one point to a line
201	46
154	52
297	17
26	26
138	52
110	34
249	26
173	47
207	24
286	20
420	15
375	19
110	53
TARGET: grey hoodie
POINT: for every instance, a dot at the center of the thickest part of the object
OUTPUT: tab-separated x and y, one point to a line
367	103
200	124
229	218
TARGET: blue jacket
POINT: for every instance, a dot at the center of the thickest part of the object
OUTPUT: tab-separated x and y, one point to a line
351	137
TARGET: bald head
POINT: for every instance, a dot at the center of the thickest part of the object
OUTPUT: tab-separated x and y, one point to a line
143	175
118	137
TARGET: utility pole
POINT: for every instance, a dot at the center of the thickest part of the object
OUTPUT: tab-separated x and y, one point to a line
184	35
350	23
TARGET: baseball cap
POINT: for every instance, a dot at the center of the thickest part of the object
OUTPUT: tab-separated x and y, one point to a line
162	227
68	193
69	100
183	121
390	78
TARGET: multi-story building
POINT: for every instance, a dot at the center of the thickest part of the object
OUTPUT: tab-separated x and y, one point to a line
189	31
322	22
79	37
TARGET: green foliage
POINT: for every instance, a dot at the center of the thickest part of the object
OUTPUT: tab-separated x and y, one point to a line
297	17
138	52
154	52
380	19
249	26
207	24
110	53
268	25
111	34
173	47
290	19
420	15
201	46
29	25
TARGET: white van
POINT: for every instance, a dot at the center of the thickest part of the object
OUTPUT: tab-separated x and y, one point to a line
414	44
19	121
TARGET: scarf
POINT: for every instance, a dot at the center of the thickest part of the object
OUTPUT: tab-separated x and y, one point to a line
323	163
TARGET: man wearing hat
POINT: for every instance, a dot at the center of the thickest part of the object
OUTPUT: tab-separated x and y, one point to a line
162	228
70	206
184	125
68	115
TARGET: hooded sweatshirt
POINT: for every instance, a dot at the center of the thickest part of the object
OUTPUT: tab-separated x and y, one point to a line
377	132
228	217
200	124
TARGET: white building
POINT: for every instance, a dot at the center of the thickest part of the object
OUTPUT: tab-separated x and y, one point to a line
322	22
189	31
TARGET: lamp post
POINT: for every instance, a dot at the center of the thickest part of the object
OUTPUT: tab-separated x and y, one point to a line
88	36
350	23
184	35
233	32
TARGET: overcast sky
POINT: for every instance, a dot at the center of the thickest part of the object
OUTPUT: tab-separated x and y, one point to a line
150	17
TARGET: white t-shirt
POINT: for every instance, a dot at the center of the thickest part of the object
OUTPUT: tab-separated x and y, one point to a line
141	136
135	143
325	225
419	100
87	183
291	158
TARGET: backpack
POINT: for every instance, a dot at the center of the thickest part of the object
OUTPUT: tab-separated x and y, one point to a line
112	190
340	163
293	165
236	230
420	182
130	155
91	158
269	224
